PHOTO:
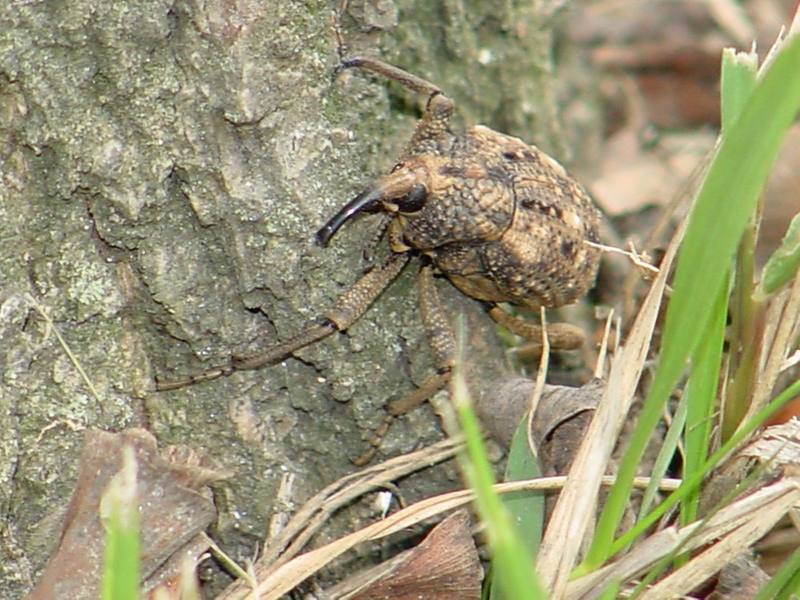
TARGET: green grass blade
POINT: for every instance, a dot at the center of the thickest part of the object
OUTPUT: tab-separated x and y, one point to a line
785	582
700	396
665	455
723	207
691	483
739	73
526	508
784	262
611	592
119	512
738	80
512	563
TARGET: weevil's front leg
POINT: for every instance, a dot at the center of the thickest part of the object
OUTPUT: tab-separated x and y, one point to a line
367	253
409	80
561	336
347	309
432	130
443	344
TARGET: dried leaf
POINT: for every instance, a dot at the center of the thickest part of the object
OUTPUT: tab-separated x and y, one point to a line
172	515
444	565
739	580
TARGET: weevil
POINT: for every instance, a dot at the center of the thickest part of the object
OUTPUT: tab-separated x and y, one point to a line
499	218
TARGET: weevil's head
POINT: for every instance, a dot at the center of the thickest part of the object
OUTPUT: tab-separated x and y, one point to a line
403	191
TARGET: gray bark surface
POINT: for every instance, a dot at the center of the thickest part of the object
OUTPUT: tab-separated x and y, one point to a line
164	167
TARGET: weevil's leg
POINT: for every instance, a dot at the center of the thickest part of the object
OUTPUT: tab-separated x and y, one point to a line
562	336
434	319
347	309
376	238
409	80
441	339
308	336
443	344
433	129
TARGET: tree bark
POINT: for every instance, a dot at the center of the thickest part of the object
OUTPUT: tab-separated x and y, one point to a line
164	167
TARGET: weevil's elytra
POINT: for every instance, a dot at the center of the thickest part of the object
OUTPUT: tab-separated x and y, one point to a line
500	219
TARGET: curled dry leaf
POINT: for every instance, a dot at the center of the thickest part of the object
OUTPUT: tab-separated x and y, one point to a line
558	428
173	511
558	407
444	565
560	423
739	580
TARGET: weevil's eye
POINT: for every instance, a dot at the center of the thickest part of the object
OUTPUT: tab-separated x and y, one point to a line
414	201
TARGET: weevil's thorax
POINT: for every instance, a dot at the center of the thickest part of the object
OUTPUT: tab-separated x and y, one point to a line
470	186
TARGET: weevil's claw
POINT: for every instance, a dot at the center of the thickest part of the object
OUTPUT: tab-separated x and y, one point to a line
349	63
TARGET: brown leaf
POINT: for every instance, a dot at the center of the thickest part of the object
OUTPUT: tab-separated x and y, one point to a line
172	515
443	566
739	580
559	408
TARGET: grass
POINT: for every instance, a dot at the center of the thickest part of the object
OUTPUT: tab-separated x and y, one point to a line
725	204
714	277
512	574
119	511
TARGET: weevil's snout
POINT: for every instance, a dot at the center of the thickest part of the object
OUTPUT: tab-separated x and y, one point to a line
398	192
367	201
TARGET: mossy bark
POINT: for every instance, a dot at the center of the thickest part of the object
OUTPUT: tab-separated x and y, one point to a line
164	167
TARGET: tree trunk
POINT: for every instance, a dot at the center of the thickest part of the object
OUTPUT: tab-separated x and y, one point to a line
164	167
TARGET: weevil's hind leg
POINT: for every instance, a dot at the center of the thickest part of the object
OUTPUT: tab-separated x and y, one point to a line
442	343
562	336
347	309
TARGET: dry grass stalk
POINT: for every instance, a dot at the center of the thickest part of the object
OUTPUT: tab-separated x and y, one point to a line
541	376
576	507
737	542
783	318
751	517
293	572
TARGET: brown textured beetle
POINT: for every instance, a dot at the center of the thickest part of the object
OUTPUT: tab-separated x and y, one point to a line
499	218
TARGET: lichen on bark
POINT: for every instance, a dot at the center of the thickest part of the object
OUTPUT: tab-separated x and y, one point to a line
164	166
